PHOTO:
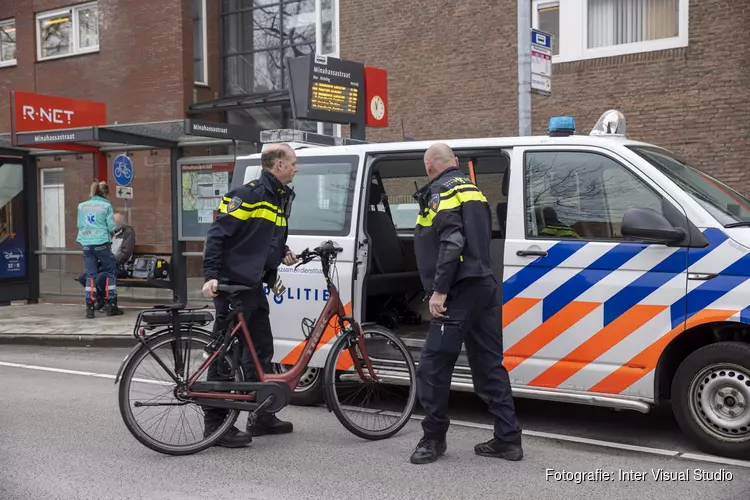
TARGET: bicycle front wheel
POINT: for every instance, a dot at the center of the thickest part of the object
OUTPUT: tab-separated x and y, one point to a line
371	408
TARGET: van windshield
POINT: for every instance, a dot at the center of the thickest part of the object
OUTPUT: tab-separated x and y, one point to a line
725	204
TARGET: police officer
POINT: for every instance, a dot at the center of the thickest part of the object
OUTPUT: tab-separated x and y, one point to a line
245	246
452	244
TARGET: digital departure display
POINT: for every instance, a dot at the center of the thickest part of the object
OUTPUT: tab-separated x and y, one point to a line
328	89
330	97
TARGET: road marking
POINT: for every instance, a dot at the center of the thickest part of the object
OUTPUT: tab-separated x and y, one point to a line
571	439
460	423
77	372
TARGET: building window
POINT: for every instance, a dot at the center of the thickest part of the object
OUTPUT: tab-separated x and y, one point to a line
200	46
258	36
8	42
620	22
546	17
588	29
67	32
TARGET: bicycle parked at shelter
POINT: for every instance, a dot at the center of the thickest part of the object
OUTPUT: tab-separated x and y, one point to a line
366	366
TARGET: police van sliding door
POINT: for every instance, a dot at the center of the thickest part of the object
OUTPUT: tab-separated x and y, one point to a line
582	308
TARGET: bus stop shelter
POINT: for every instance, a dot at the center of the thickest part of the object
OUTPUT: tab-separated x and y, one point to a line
174	135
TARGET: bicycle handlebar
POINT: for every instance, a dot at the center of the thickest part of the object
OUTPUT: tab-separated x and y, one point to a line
324	250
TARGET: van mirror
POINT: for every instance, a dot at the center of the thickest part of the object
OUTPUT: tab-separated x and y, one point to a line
645	224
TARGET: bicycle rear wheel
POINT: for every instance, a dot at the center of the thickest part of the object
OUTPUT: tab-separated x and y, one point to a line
154	412
356	398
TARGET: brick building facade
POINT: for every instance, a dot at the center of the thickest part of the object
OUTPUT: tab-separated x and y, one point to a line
677	69
453	73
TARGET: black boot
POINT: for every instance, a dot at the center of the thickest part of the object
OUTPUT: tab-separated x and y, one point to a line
234	438
98	305
267	424
89	310
112	309
498	449
428	450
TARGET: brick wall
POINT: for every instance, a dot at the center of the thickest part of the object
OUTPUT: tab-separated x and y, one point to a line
453	73
138	71
142	72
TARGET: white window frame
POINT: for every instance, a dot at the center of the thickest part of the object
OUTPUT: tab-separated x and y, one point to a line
541	4
204	27
574	33
73	12
12	23
319	45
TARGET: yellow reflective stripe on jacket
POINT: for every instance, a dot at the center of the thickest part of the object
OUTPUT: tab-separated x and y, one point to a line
450	199
248	211
225	201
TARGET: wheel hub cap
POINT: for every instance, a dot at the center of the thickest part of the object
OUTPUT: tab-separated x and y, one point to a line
721	396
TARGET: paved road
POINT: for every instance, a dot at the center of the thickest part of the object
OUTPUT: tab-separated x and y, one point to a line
62	438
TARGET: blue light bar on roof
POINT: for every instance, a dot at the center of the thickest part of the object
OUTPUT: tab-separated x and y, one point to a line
561	126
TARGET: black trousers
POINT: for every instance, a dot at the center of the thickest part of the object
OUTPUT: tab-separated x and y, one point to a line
255	305
470	305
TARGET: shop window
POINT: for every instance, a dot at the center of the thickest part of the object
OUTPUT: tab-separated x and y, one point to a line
13	235
67	32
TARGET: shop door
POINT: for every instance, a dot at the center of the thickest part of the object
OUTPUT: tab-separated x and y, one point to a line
53	217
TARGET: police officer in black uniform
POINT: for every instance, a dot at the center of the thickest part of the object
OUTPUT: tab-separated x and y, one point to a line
452	244
245	246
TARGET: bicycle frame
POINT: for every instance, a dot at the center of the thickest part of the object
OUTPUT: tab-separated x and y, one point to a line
333	307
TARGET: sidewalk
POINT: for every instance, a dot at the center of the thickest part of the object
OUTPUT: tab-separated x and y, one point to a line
65	324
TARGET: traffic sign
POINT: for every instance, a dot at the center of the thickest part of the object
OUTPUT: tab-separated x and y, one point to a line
541	39
541	62
124	192
122	170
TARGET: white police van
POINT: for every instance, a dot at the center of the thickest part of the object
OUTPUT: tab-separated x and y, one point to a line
624	270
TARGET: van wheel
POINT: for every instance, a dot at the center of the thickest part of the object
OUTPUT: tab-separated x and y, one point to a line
711	398
309	391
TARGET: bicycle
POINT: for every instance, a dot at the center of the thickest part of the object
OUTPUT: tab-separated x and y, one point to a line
358	356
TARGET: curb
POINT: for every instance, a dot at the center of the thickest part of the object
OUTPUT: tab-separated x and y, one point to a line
68	340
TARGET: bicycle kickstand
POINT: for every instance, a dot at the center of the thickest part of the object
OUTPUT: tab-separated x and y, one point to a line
253	416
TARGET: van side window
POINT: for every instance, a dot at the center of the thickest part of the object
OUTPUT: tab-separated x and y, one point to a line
491	171
400	192
580	195
324	189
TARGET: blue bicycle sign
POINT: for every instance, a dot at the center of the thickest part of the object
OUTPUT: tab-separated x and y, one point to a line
122	170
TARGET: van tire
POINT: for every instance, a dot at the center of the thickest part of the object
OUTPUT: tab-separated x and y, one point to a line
709	384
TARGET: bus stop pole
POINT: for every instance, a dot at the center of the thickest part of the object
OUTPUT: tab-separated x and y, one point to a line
178	263
524	67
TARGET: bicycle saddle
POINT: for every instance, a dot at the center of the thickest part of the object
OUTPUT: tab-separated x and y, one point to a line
232	289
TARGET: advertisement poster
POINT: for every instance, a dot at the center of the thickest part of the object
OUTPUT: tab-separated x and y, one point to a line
203	186
13	248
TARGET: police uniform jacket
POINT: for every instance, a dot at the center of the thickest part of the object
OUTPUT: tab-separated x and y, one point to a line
453	232
250	232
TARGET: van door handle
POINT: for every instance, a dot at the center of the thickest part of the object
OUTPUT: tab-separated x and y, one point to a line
701	276
528	253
